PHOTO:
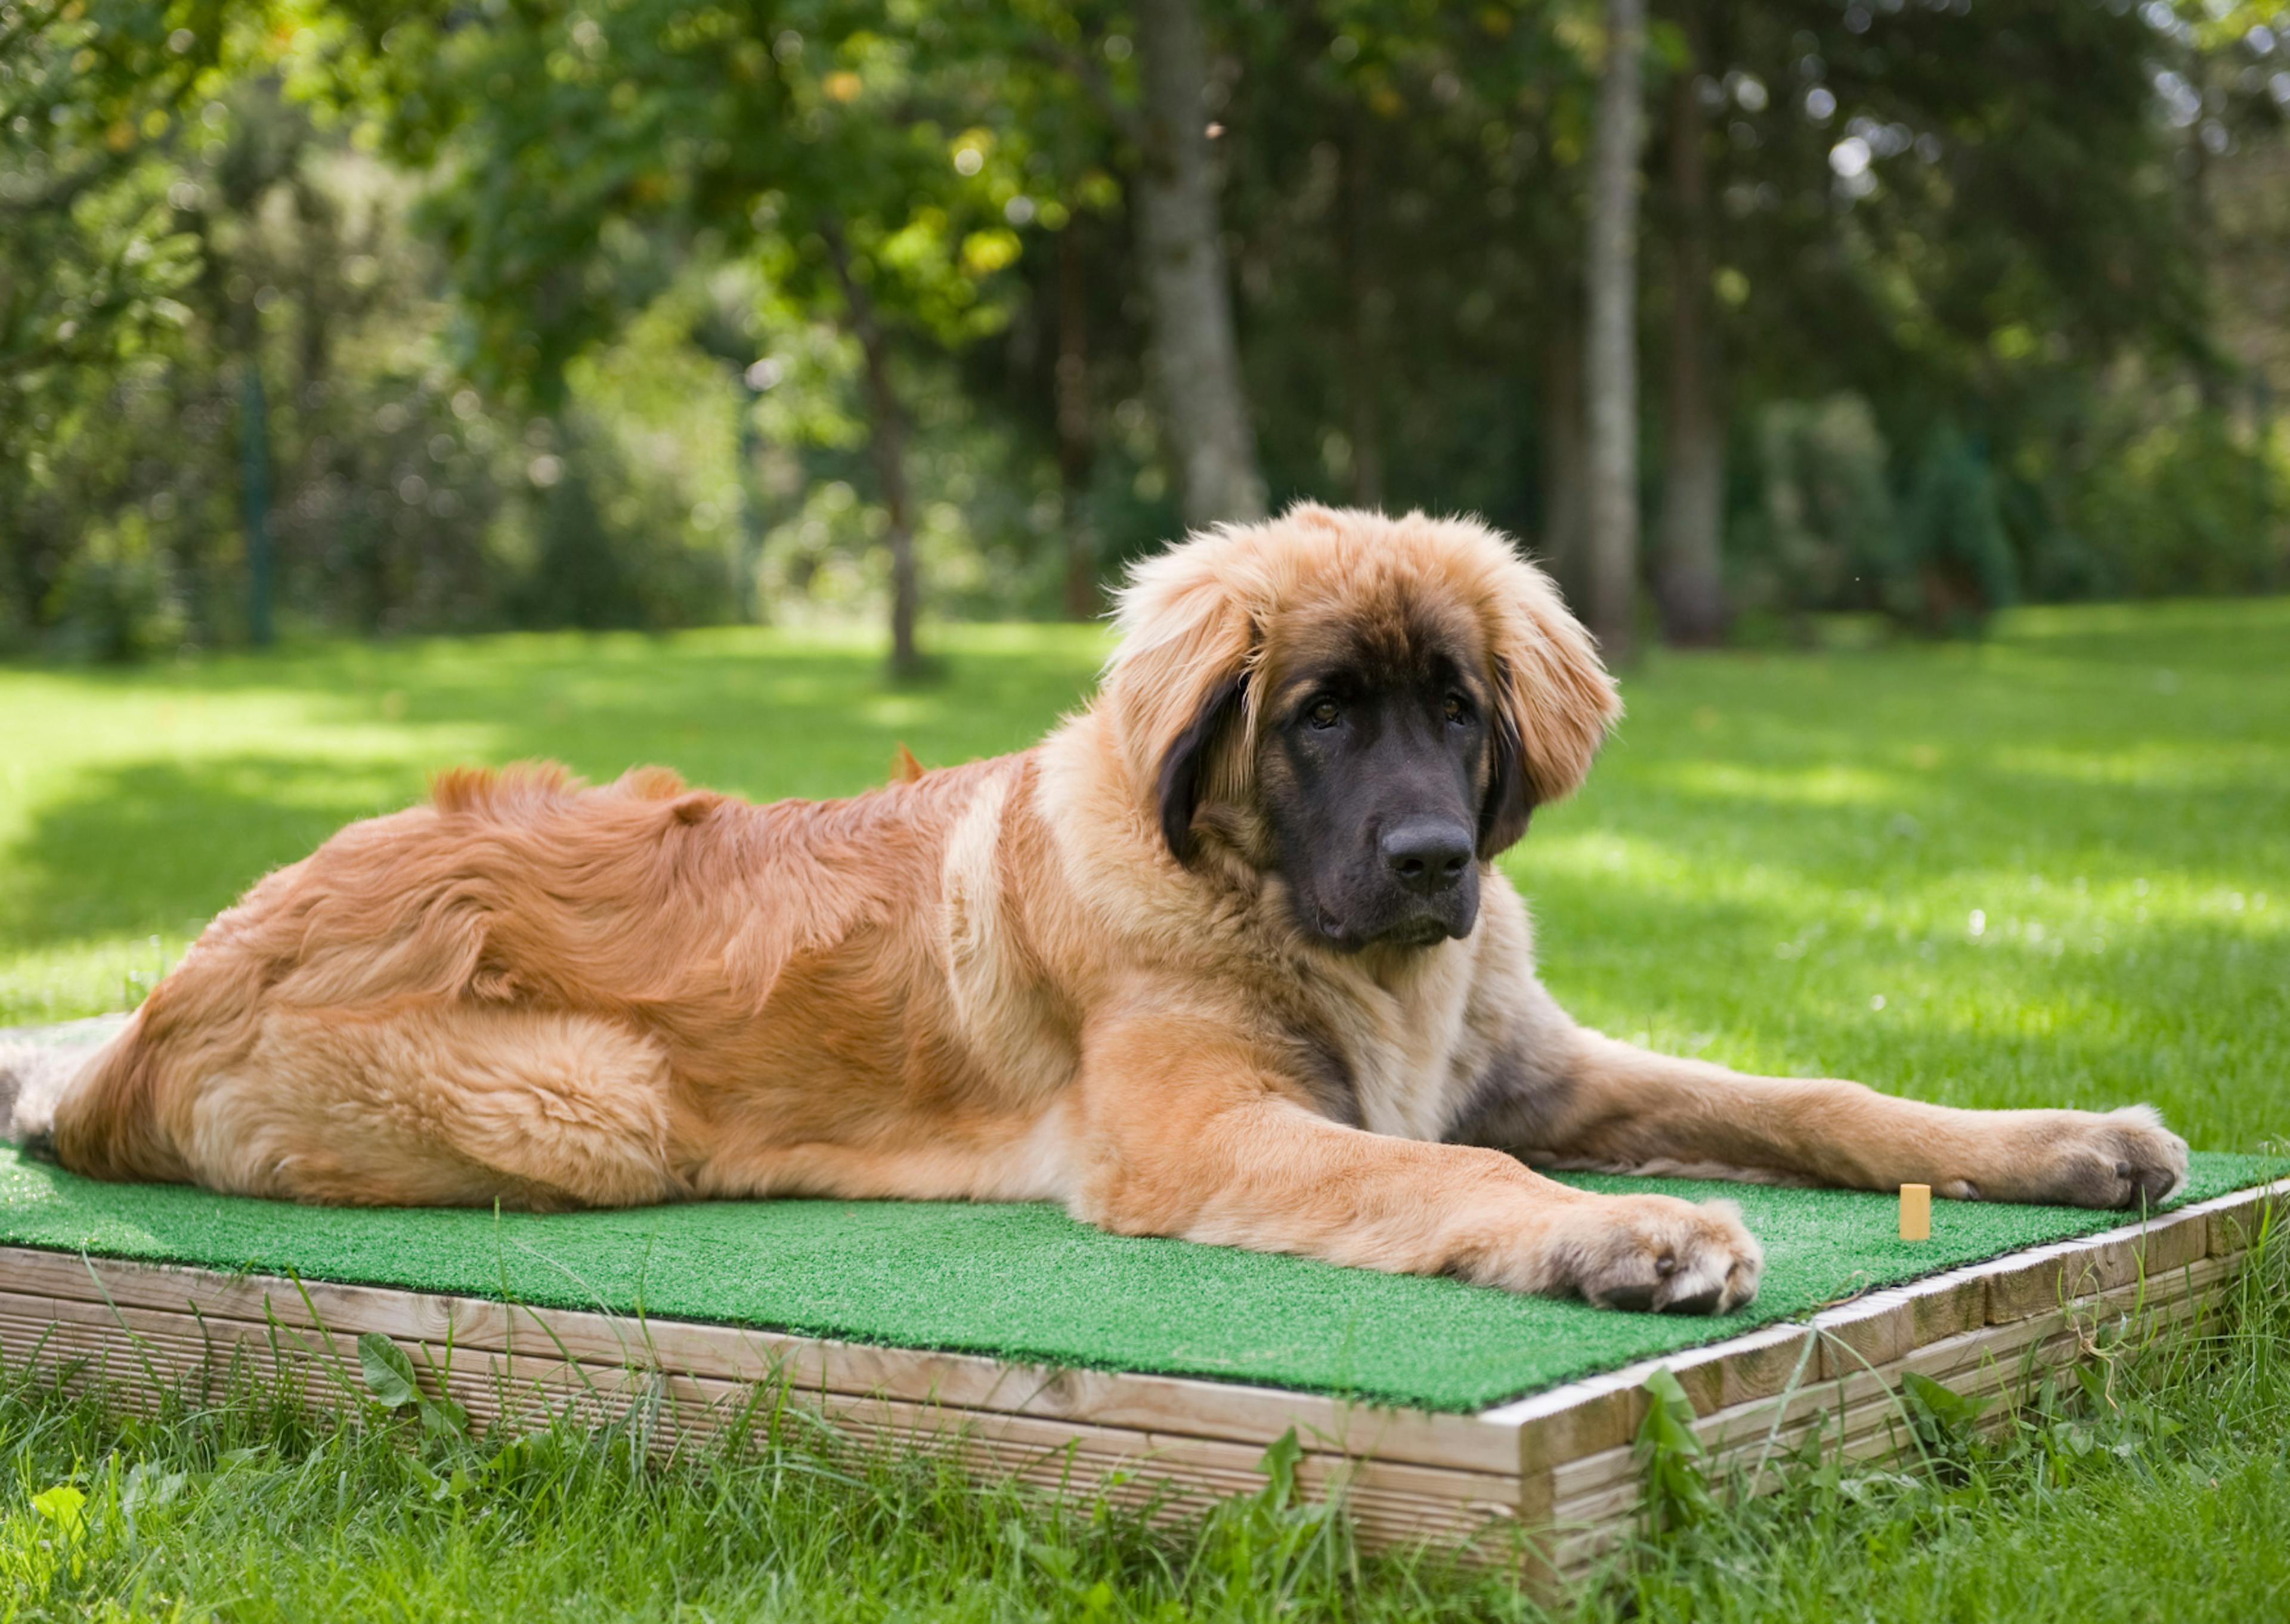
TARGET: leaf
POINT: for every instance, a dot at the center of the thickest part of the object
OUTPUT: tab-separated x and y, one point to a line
148	1489
1950	1414
1669	1452
389	1372
1869	1487
444	1416
1669	1425
65	1506
1278	1465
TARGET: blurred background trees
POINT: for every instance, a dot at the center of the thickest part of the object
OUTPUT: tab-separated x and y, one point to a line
464	313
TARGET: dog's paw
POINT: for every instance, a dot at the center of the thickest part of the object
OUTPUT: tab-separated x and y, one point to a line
1656	1253
2125	1158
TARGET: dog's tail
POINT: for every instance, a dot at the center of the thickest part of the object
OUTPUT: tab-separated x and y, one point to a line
36	1068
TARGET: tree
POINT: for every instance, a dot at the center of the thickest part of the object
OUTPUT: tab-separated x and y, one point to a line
1196	358
1966	217
1610	370
1077	435
590	154
1965	236
92	101
1688	586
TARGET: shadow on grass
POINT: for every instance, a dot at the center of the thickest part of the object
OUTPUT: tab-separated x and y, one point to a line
158	845
161	843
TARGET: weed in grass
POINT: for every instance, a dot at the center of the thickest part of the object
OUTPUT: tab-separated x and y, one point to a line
2152	1485
247	1507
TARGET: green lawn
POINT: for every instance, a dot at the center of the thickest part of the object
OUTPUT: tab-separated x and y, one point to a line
2051	867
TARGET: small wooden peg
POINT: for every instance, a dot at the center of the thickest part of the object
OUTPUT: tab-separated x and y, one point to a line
1915	1211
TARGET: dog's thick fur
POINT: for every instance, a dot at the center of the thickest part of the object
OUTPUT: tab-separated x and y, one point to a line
1078	973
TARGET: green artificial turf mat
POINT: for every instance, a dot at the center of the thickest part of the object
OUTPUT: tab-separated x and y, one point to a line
1028	1283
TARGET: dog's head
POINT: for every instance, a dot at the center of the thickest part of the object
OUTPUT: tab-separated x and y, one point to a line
1362	709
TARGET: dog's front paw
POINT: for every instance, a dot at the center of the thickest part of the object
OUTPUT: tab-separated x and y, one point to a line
1657	1252
2125	1158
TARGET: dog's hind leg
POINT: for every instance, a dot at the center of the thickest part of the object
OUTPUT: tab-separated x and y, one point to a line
452	1106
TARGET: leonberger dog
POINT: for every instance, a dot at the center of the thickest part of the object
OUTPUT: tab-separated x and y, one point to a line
1225	957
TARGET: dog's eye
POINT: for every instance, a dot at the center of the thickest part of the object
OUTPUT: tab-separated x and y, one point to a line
1323	713
1458	708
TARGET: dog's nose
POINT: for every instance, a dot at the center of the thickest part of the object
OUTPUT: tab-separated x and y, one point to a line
1428	855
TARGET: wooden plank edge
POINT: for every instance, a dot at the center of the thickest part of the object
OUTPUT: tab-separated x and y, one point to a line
1595	1500
1962	1362
1600	1412
151	1349
1722	1379
811	1365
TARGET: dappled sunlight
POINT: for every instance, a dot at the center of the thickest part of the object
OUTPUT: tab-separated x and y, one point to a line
1825	786
2184	632
2173	764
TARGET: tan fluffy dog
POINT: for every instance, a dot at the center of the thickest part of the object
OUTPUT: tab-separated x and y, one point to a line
1225	957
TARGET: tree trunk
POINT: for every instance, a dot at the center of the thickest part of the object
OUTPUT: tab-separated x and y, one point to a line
1564	458
254	495
2201	226
1610	373
1688	581
1077	445
1364	375
1196	358
886	444
747	556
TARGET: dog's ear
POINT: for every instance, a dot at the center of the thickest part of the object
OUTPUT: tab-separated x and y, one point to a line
1185	766
1553	704
1510	801
1178	684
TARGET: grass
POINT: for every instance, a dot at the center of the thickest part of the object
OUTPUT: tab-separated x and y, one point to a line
2052	866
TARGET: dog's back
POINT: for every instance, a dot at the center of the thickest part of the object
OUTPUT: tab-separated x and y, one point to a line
489	996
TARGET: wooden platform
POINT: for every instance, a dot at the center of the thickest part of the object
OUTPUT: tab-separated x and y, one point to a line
1555	1469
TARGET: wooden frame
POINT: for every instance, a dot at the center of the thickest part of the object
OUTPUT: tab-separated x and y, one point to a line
1556	1468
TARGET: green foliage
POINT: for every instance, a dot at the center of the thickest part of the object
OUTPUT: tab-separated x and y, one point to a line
1827	531
2181	504
238	1502
390	1377
710	130
1945	1423
2141	1487
1954	535
454	241
117	600
1670	1458
2167	498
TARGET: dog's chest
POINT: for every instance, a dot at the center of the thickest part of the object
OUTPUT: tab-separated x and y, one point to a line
1404	1054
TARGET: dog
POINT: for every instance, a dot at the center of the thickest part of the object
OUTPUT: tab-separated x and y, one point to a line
1225	957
